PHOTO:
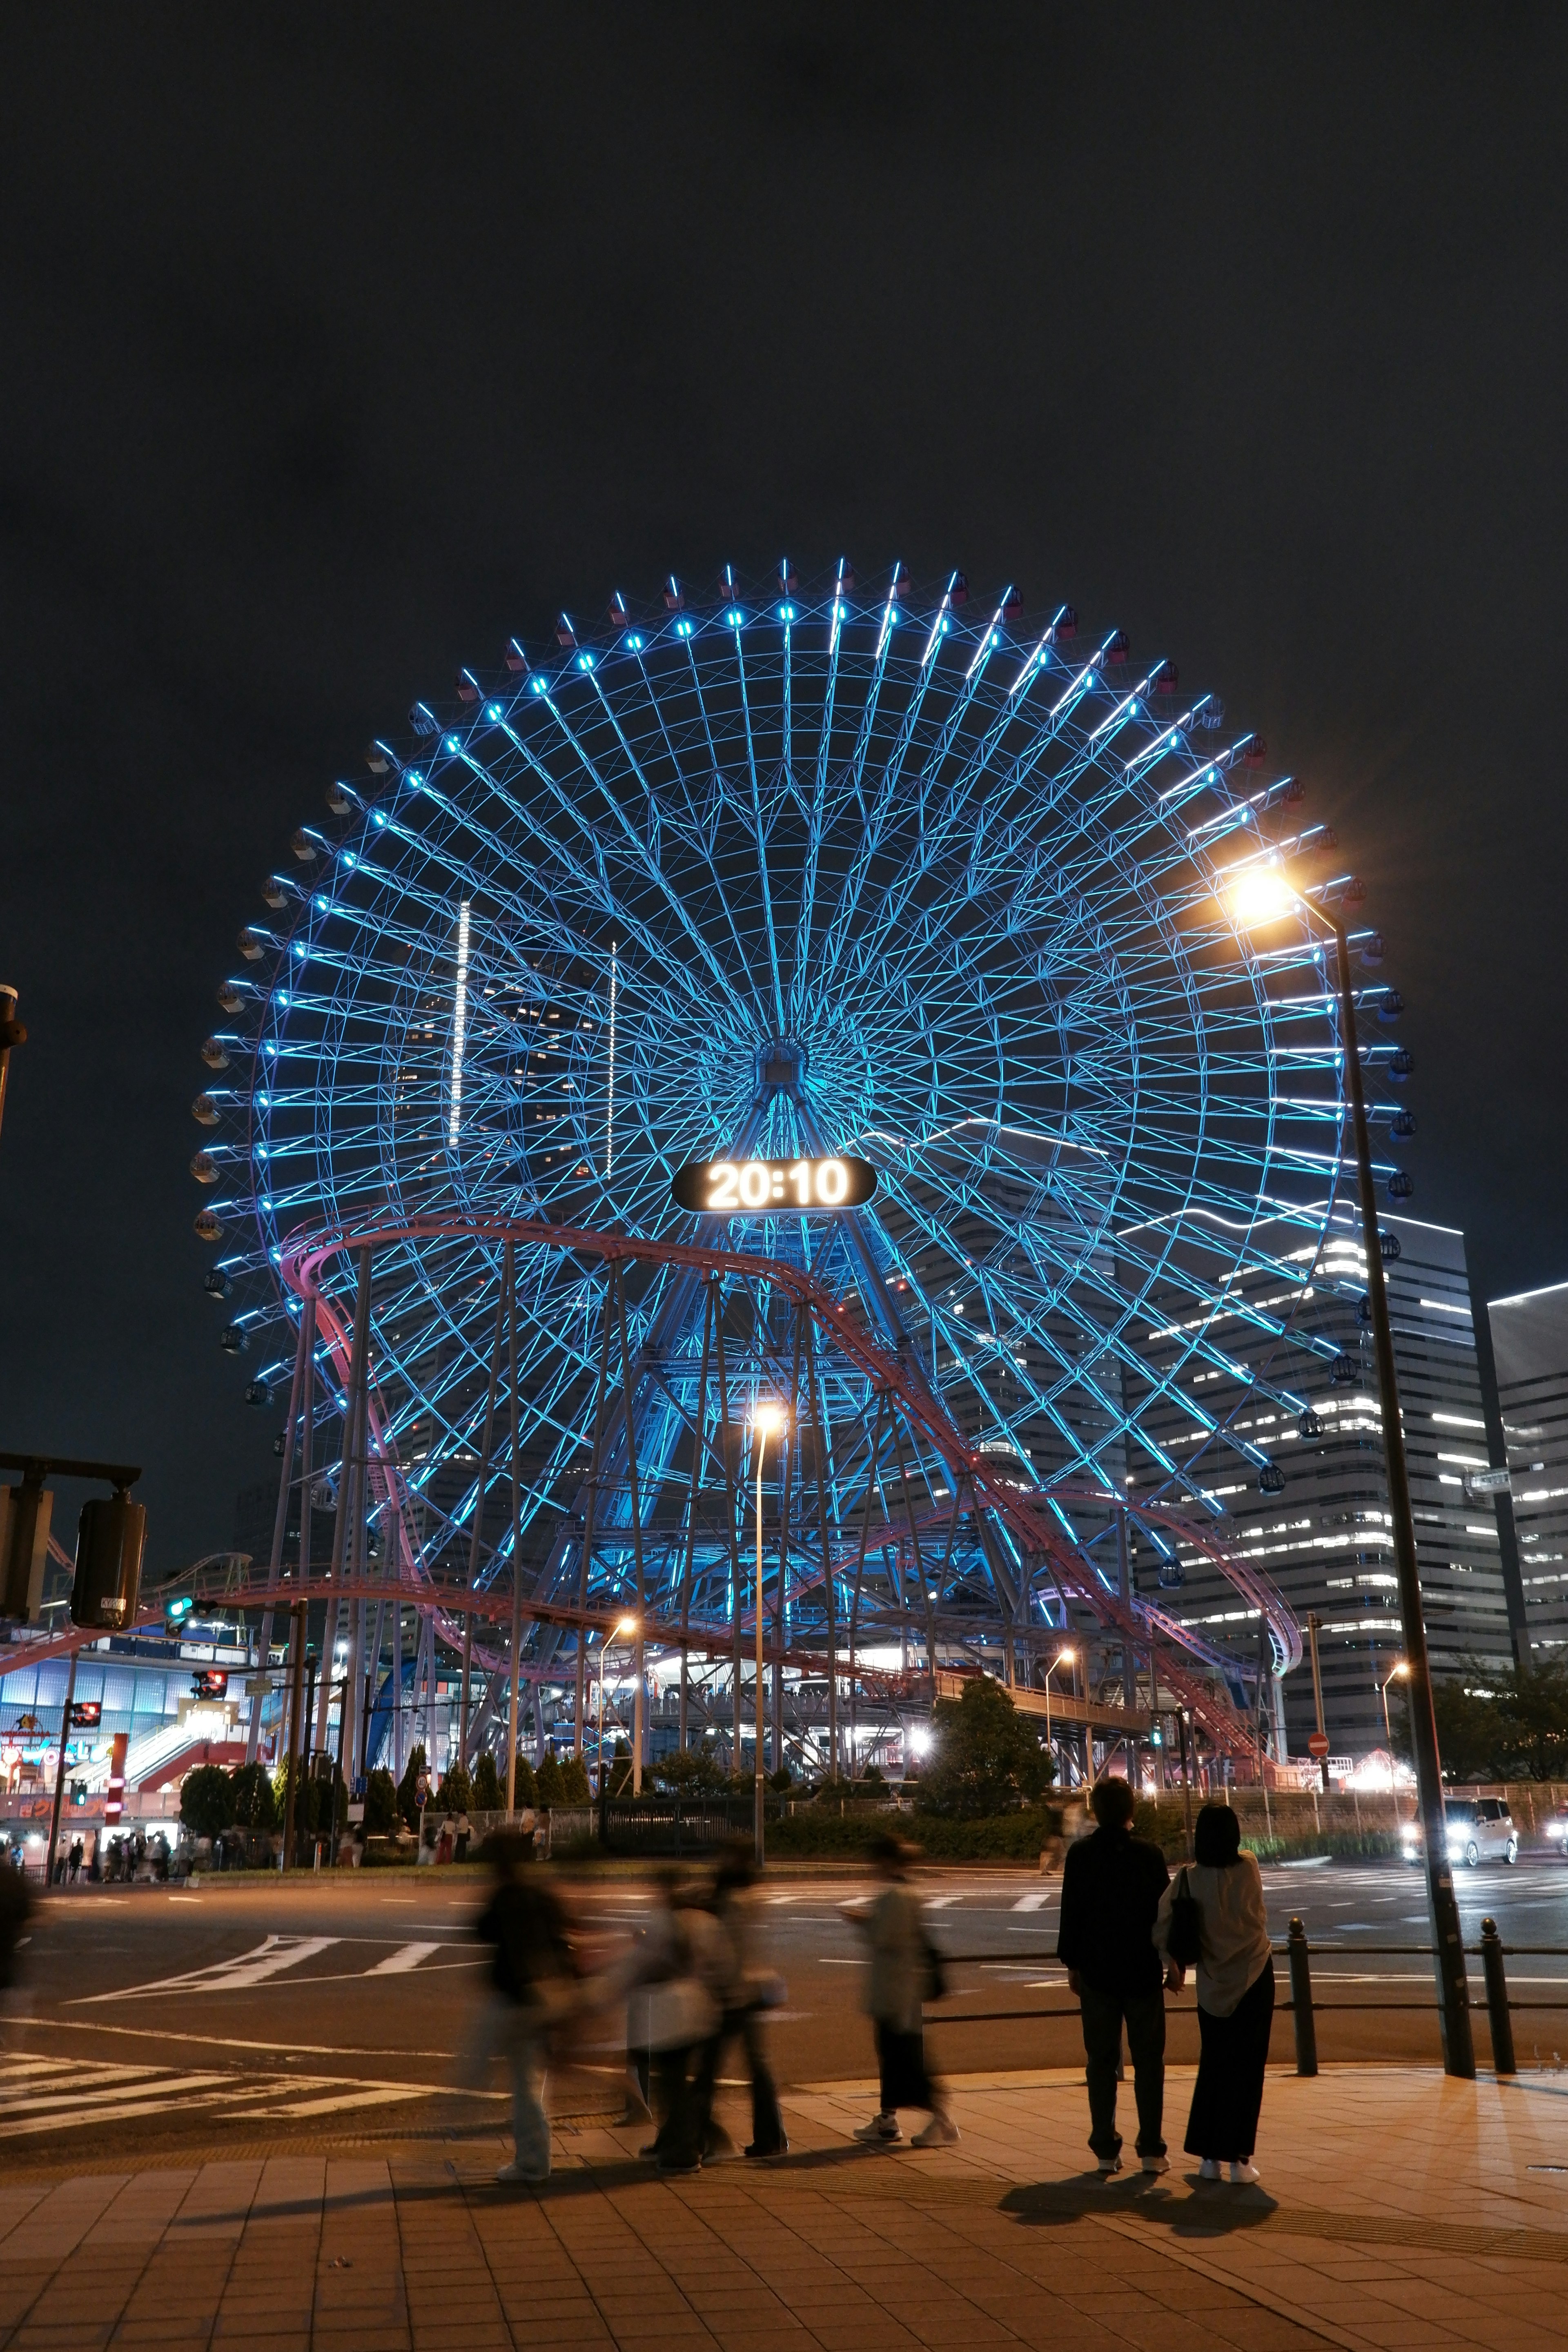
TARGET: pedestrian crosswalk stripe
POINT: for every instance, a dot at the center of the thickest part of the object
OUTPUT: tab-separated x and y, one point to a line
406	1957
54	2094
1030	1901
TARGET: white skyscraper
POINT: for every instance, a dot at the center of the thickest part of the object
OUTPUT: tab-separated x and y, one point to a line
1325	1536
1530	1350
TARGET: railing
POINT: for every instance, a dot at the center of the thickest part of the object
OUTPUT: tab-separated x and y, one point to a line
1303	2007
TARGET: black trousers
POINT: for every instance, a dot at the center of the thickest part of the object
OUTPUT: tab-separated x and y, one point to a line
901	2063
1228	2093
767	2124
1102	2014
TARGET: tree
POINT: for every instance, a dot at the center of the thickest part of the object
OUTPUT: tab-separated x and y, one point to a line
254	1806
986	1758
691	1772
551	1784
1533	1704
527	1781
206	1800
575	1782
408	1788
487	1785
1471	1732
380	1803
455	1793
306	1803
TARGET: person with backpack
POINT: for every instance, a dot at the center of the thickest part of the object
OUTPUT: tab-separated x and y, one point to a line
1225	1932
1112	1887
906	1973
533	1982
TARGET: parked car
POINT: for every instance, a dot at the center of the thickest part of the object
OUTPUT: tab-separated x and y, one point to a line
1554	1829
1481	1829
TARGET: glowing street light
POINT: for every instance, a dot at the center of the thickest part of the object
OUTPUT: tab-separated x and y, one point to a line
1397	1673
1260	896
1062	1658
628	1625
767	1420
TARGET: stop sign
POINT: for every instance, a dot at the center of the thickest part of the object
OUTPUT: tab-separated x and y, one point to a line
1318	1743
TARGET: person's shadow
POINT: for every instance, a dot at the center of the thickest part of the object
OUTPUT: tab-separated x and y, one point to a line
1179	2202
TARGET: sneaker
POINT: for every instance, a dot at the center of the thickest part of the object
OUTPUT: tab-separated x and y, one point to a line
941	2132
1110	2164
1153	2164
516	2172
883	2129
760	2154
1242	2173
1208	2169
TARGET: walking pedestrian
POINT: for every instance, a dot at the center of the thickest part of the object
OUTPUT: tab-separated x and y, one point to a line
744	1996
1111	1886
531	1976
674	2016
905	1973
1234	1989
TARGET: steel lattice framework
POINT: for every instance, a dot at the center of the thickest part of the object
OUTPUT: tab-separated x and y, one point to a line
770	873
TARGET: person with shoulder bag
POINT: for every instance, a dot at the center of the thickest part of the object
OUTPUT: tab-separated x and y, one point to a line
1235	1961
906	1972
1111	1886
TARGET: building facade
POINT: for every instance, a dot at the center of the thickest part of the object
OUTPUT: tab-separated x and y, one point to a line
1530	1353
1325	1536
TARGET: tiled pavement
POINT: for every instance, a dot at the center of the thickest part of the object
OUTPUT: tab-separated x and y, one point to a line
1397	2209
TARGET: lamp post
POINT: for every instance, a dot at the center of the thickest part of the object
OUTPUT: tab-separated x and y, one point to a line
766	1420
1396	1673
626	1626
1262	897
1062	1658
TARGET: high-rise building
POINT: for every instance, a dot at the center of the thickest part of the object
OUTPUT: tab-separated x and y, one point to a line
1529	1350
1325	1534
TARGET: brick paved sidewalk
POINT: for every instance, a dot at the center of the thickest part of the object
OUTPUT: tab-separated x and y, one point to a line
1396	2209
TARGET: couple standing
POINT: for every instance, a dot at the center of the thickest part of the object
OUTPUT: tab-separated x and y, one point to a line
1118	1905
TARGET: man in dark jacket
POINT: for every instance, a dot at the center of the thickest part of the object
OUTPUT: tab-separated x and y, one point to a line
1111	1886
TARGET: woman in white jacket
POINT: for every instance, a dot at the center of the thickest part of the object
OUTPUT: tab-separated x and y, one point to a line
1236	1993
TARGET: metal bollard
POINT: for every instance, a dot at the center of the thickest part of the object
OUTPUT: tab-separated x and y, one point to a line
1497	2016
1302	2001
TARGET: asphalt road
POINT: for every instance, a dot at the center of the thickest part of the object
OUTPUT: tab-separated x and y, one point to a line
236	2012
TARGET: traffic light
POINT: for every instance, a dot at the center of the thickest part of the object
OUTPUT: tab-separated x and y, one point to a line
24	1547
110	1539
179	1609
208	1684
86	1714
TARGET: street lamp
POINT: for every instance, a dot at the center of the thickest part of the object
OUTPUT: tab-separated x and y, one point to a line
1062	1658
1396	1673
626	1626
766	1419
1261	896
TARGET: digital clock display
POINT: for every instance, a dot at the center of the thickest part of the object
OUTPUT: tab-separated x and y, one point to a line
738	1188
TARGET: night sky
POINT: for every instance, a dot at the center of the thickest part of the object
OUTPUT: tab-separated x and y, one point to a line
342	342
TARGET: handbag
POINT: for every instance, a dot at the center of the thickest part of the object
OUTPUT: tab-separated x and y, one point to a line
1184	1932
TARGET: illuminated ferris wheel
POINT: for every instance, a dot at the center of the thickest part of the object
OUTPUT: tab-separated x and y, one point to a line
790	885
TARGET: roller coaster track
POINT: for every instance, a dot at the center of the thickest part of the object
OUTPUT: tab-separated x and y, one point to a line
1026	1511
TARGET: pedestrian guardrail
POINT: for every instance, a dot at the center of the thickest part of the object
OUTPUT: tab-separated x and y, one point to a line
1303	2007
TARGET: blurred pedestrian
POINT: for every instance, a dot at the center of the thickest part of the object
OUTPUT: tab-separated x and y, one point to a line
1111	1886
1234	1989
15	1903
905	1973
532	1983
744	1996
674	2015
